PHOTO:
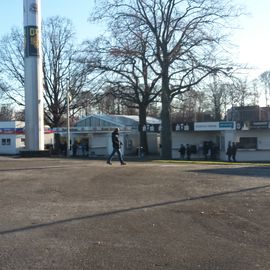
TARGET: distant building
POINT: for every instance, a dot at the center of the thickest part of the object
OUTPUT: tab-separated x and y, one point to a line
12	137
251	137
95	132
248	113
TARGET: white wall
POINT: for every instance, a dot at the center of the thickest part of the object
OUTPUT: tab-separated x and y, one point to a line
263	147
197	138
263	136
8	149
98	144
252	155
153	140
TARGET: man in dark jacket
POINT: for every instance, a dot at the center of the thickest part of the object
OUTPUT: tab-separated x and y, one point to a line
229	151
234	150
182	151
116	143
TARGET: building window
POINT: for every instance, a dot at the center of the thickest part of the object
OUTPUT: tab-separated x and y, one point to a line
6	141
247	143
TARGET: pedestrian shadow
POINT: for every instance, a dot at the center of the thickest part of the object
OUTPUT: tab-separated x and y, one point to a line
132	209
257	171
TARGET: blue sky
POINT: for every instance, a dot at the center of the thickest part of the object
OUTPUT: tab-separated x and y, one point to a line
253	40
11	14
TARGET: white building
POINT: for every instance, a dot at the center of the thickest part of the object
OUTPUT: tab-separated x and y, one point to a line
12	137
95	131
252	139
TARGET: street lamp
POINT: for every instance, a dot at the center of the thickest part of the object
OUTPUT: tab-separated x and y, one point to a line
68	124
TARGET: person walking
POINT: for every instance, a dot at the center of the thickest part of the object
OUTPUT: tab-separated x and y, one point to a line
116	143
234	150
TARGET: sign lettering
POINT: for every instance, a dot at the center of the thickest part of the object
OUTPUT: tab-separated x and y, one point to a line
31	39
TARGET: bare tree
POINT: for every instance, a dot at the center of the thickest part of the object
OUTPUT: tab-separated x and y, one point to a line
265	79
183	34
216	92
128	70
255	92
62	73
191	106
12	66
110	103
19	115
6	113
242	91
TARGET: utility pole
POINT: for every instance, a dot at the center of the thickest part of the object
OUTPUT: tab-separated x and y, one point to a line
68	123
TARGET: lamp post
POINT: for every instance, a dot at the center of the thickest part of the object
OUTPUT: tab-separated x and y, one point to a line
68	124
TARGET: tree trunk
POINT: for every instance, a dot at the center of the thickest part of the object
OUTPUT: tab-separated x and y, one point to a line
166	133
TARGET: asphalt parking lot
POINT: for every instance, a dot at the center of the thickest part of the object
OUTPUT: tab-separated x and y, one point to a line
85	214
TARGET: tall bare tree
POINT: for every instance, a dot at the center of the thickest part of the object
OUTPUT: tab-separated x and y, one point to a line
242	91
184	35
265	79
12	66
62	73
128	66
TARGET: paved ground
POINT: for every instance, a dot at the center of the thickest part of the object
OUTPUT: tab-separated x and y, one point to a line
85	214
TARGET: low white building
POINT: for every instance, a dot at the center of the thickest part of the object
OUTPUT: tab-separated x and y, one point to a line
95	132
12	137
252	139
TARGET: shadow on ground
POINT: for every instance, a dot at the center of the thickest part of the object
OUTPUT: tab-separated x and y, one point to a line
258	171
132	209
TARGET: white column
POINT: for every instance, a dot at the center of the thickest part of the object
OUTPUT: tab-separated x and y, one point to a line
34	115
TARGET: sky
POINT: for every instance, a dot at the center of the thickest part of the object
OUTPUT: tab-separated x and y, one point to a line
11	14
253	40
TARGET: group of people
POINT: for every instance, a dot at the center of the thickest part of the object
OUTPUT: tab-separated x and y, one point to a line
75	146
210	150
185	151
82	146
231	151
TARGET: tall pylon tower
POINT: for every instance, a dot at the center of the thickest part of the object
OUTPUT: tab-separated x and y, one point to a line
33	76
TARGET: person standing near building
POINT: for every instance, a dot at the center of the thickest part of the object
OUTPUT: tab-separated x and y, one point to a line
74	148
234	150
229	151
205	150
188	151
116	143
182	151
